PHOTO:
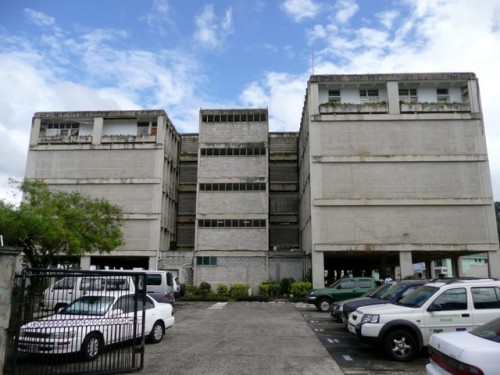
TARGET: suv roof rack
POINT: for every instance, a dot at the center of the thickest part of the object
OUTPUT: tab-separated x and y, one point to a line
450	280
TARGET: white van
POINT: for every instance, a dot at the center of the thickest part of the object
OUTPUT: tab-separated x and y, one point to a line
64	291
161	285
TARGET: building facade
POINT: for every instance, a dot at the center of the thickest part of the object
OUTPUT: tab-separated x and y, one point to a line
127	157
387	171
394	171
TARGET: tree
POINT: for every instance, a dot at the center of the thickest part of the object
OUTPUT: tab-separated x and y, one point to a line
48	224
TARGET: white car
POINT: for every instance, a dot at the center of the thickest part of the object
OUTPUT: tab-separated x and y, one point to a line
474	352
92	322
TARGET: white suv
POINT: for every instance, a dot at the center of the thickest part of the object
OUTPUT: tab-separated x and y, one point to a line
403	328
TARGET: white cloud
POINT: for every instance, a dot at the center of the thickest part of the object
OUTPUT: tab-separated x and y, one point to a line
387	18
39	18
158	17
212	31
345	10
300	9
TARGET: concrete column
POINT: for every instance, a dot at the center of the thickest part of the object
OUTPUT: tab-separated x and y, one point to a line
455	268
8	259
35	131
406	264
494	264
318	269
393	98
97	131
153	263
382	268
428	269
85	262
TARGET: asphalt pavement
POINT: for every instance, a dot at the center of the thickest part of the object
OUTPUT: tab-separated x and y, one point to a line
239	338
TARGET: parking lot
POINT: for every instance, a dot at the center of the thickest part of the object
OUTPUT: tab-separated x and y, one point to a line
265	338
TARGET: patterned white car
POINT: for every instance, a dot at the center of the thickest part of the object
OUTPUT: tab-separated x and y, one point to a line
90	323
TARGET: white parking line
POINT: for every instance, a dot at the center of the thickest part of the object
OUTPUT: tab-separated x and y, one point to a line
347	357
318	329
218	306
333	341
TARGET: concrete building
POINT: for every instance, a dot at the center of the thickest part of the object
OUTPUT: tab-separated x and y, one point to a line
394	171
387	171
127	157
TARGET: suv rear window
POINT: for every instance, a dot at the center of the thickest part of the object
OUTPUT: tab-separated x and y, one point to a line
486	297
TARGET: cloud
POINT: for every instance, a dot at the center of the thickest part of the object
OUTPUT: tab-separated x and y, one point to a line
211	31
345	10
301	9
39	18
158	17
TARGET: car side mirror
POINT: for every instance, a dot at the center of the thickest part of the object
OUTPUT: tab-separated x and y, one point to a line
434	307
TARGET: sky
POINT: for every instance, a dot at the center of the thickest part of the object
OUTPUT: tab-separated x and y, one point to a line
183	55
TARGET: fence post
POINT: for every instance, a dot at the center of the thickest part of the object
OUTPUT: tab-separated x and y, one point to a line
8	258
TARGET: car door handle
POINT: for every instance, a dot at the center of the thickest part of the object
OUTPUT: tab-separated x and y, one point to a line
465	315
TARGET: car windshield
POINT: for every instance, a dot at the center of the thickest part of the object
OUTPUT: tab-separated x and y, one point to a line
91	305
393	292
378	292
418	297
489	331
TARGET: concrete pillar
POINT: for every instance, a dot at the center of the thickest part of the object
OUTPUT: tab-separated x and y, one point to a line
406	264
393	98
85	262
153	263
382	268
318	269
35	131
97	131
455	269
494	264
8	259
428	270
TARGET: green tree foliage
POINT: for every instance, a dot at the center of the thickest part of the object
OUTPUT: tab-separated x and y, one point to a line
48	224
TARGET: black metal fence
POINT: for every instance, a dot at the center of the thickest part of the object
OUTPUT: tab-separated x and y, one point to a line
77	322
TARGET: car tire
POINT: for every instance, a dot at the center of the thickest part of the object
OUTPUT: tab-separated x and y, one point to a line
157	332
92	346
400	345
324	304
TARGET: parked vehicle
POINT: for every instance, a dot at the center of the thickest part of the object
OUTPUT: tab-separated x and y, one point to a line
338	307
474	352
342	289
396	291
161	285
403	328
62	292
92	322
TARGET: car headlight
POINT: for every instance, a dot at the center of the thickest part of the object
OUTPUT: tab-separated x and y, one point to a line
311	293
370	318
62	335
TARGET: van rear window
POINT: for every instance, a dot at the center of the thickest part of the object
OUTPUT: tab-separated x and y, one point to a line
153	279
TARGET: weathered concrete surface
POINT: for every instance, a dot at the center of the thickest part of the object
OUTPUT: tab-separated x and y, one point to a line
239	338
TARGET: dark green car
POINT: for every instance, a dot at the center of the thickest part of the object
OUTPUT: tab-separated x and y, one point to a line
345	288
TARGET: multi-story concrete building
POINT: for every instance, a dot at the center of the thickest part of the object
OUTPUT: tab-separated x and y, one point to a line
394	171
127	157
387	171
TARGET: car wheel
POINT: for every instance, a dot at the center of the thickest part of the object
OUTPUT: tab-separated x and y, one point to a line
92	346
157	332
400	345
324	305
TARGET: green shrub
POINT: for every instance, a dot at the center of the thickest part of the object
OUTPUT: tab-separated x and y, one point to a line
205	288
239	290
300	289
285	284
192	290
221	290
269	289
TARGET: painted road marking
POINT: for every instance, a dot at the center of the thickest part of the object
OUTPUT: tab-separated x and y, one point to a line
334	341
218	306
318	329
347	358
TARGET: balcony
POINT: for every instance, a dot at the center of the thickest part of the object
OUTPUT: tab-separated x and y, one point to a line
434	107
348	108
64	139
128	138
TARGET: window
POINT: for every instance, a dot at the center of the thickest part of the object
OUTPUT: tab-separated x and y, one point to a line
66	283
347	284
443	96
206	261
365	283
408	95
452	299
232	223
334	96
486	298
368	96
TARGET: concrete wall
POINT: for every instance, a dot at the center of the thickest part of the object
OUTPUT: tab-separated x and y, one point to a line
232	239
248	202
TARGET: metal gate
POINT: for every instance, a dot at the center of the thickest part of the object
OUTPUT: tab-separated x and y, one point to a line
77	322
